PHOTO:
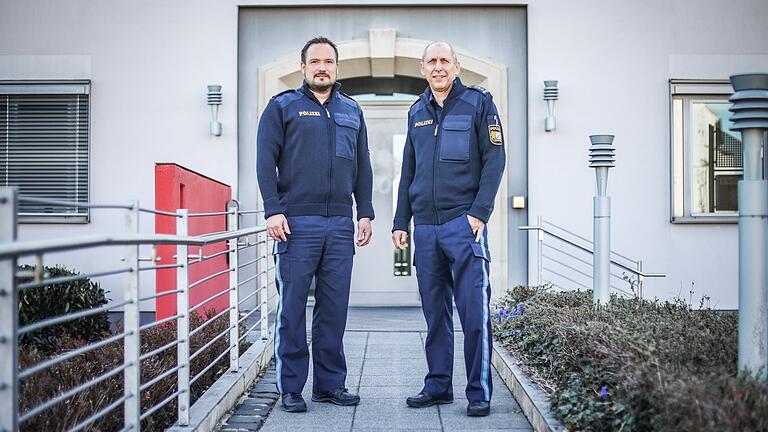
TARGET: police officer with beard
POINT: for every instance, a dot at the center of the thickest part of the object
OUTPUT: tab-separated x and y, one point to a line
312	158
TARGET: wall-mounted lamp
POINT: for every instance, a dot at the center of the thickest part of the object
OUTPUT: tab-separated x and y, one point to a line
550	95
214	100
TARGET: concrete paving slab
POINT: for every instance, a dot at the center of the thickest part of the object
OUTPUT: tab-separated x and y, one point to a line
396	369
391	381
393	392
391	414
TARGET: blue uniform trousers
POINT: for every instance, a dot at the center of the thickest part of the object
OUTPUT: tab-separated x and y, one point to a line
450	263
320	247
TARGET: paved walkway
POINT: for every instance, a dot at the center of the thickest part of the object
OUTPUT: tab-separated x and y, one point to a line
386	364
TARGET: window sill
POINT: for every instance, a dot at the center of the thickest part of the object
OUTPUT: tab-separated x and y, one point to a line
707	219
58	220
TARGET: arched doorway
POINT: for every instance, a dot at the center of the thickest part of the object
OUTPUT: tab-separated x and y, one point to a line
389	62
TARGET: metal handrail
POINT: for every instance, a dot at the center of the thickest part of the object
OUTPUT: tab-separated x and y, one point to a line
66	395
162	321
208	322
74	203
200	350
215	296
157	351
65	279
15	249
68	317
580	237
212	364
224	213
131	366
589	251
71	354
101	413
250	329
161	404
162	376
209	277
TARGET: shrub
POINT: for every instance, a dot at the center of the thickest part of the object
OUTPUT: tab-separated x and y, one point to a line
51	382
633	364
36	304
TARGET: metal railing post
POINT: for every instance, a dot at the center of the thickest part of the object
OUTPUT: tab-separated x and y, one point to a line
132	345
9	342
234	332
601	157
540	251
750	117
264	280
182	309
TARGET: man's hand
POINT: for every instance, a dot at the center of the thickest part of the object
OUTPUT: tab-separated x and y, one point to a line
277	227
400	239
477	226
364	232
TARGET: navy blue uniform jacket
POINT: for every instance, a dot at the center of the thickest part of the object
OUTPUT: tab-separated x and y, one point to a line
312	157
453	158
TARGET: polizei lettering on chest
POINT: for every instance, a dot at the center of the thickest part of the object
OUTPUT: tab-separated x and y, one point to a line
309	113
422	123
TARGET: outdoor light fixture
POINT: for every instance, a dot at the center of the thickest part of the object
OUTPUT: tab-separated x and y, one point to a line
214	100
602	156
550	95
750	117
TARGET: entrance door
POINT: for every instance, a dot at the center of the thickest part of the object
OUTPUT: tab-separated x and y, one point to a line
381	277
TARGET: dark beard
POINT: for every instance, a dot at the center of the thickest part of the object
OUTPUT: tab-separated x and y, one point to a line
320	88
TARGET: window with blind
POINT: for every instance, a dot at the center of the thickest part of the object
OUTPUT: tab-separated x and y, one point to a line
44	148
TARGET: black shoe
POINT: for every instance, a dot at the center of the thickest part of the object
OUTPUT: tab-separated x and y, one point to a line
339	396
423	400
478	408
293	402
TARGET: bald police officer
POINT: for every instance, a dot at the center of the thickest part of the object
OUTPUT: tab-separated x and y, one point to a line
312	157
452	166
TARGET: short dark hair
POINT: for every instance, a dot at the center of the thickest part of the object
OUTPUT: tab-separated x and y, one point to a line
315	41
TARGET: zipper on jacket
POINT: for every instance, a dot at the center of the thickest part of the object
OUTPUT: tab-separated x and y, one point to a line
330	160
331	146
435	163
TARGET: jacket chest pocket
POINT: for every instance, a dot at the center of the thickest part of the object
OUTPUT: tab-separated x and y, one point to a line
454	141
347	128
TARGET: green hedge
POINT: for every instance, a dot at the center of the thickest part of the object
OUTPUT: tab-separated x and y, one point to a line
635	365
36	304
49	383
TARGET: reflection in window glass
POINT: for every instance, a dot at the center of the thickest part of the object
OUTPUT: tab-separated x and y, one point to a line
402	257
716	158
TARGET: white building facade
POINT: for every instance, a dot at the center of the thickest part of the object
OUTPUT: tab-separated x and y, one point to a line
652	73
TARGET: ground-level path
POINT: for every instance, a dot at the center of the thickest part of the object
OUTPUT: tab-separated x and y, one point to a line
386	364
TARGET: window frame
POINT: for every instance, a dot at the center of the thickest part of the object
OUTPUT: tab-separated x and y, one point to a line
681	163
53	87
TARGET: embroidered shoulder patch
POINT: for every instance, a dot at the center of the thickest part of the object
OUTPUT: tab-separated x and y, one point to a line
494	134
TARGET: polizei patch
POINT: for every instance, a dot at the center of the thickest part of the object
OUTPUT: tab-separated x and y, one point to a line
494	134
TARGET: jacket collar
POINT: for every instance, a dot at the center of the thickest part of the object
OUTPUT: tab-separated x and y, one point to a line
457	89
308	92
